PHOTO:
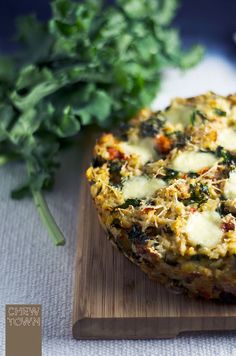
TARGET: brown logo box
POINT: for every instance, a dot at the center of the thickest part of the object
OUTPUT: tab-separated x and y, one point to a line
23	330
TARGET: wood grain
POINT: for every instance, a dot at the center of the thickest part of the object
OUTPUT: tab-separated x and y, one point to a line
113	299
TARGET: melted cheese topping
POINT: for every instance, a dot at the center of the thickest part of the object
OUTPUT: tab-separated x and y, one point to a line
233	114
193	161
141	187
143	148
204	229
227	139
179	114
230	186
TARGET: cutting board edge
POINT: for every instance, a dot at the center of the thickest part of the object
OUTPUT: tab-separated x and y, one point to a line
148	328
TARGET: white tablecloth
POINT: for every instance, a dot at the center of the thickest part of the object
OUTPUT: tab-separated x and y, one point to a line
32	270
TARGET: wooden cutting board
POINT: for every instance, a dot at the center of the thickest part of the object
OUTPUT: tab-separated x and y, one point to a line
113	299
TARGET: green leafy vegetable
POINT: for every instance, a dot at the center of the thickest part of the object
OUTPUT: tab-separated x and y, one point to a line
90	63
199	194
195	114
151	127
170	174
130	202
228	158
193	118
116	223
222	209
136	235
179	138
193	174
114	170
219	112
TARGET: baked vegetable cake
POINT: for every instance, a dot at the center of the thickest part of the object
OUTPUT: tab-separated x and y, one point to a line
164	186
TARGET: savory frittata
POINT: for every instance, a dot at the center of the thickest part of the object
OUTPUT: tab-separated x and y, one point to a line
164	186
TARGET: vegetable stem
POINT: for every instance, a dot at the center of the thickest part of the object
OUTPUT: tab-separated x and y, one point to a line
47	218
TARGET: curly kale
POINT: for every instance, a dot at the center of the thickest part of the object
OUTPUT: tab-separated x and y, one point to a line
91	63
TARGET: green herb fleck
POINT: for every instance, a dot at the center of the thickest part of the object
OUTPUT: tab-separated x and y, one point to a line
114	169
123	129
98	161
136	234
219	112
199	193
193	174
130	202
222	209
170	174
179	137
151	127
198	256
193	118
228	158
195	114
116	223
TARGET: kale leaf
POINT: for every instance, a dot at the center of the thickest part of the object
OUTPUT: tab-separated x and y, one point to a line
151	127
90	63
228	158
130	202
199	193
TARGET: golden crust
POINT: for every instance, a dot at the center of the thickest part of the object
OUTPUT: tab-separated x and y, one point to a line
151	230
